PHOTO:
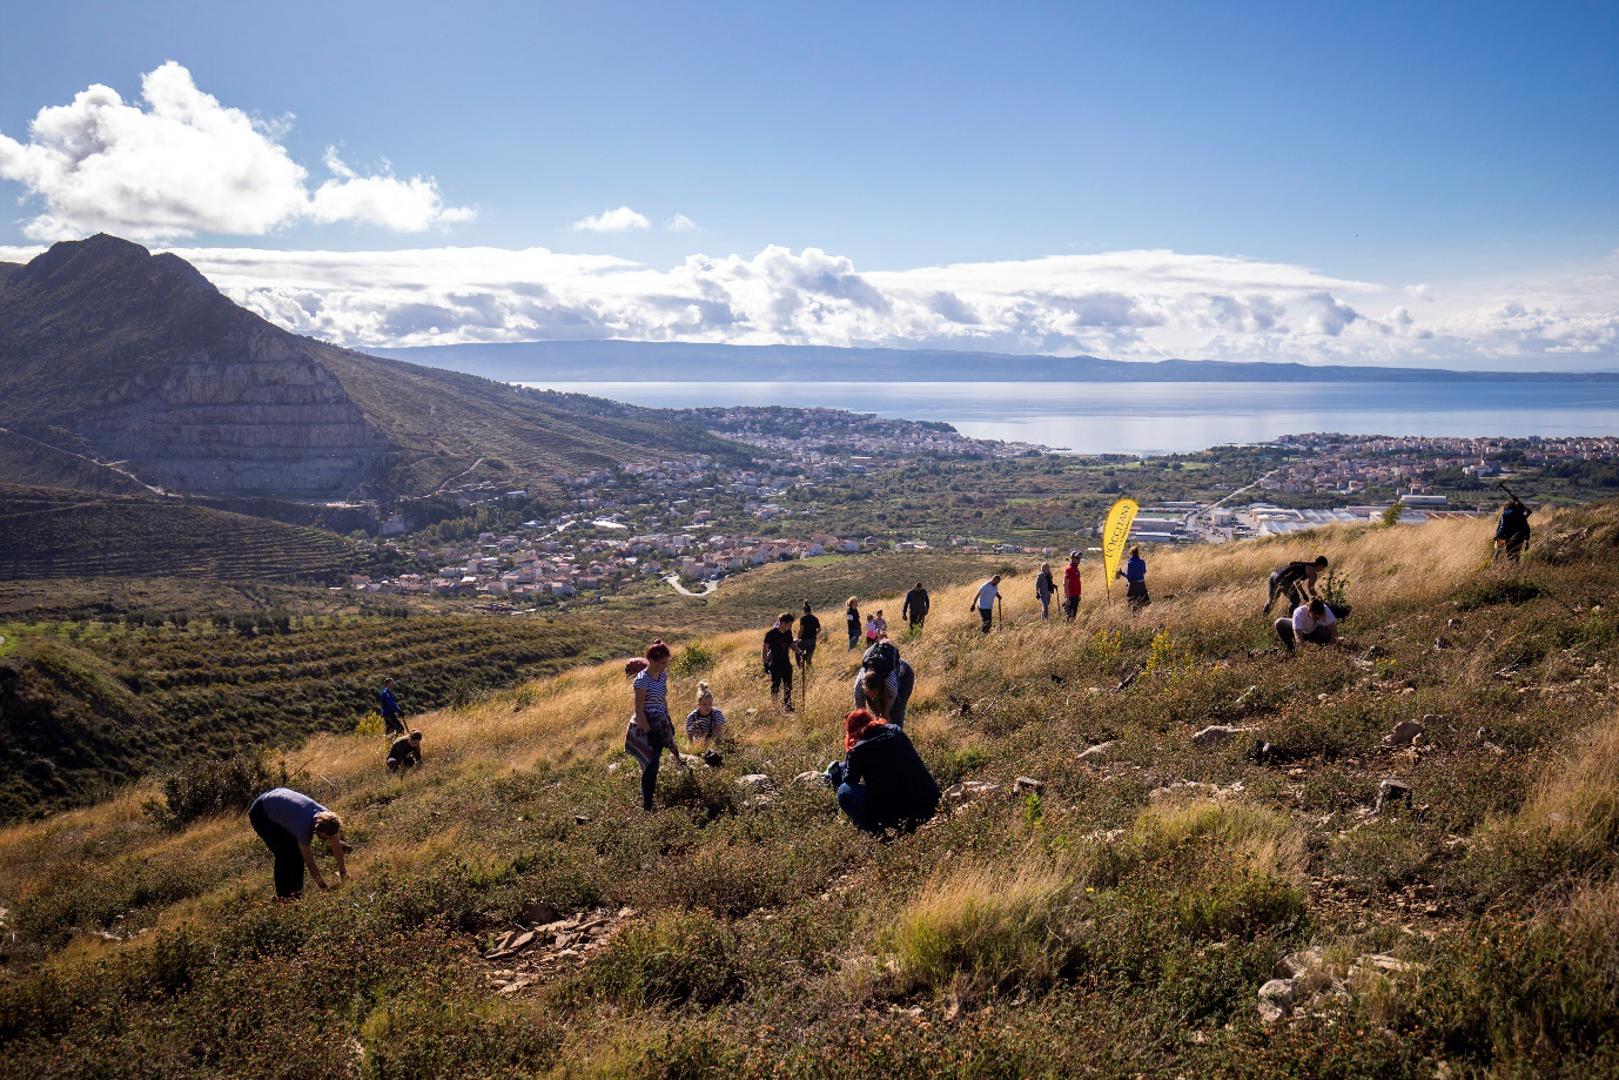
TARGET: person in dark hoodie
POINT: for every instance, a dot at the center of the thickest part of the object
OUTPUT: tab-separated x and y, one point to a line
882	783
405	752
1512	530
915	609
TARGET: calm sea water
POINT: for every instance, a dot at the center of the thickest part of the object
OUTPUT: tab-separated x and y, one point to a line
1158	418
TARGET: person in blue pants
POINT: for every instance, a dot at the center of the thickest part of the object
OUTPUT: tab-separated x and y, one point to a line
882	783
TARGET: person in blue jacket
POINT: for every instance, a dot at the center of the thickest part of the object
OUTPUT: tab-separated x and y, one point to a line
391	723
882	783
1135	575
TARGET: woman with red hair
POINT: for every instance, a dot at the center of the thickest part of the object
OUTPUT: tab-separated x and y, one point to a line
882	783
650	731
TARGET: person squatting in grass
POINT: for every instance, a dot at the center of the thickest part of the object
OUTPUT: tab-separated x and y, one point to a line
1134	573
851	616
405	752
986	601
809	636
288	822
1313	622
1071	586
884	683
915	608
704	726
389	704
780	650
1296	582
882	783
650	731
1045	587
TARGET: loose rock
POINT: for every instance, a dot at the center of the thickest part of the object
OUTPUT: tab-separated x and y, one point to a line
1404	732
1093	753
758	782
1028	783
1391	792
1217	735
1276	1000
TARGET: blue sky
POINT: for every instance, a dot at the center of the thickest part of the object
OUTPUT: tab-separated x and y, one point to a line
1434	159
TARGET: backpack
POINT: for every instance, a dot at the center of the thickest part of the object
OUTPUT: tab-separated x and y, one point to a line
882	658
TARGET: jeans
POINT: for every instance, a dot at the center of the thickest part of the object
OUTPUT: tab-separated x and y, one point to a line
854	800
1070	607
1321	635
289	858
392	724
649	772
781	681
988	617
854	636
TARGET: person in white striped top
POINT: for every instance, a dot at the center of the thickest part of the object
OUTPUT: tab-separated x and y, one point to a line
704	725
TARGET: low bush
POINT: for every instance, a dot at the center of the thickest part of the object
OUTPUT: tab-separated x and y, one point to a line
214	787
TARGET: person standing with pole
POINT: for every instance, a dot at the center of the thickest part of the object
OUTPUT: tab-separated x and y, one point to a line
987	603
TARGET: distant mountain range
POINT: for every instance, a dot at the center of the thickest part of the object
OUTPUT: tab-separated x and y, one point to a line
592	361
122	371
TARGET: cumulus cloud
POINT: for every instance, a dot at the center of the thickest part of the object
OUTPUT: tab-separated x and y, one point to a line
179	163
679	223
621	219
1127	304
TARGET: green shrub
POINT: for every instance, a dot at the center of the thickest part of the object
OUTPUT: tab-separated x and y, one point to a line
695	659
214	787
678	958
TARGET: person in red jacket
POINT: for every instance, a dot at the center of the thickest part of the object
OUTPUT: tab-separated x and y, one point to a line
1071	586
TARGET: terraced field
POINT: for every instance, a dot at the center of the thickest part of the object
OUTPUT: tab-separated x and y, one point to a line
80	714
48	533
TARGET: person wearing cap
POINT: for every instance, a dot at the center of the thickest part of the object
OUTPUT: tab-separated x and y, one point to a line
1071	586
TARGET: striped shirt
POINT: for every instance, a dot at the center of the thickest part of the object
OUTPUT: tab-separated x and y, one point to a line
656	701
699	726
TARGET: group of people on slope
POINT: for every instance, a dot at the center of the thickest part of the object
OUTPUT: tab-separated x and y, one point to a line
987	602
1313	619
875	627
881	784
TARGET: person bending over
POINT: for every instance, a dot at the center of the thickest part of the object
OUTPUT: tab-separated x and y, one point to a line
405	753
1313	622
650	731
704	726
882	783
1295	582
288	822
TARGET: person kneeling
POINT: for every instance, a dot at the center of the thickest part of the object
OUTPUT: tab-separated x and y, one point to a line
405	752
882	783
1313	622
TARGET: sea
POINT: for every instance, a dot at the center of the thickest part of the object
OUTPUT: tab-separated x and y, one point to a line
1172	417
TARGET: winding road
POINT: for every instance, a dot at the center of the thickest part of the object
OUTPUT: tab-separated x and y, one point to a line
673	580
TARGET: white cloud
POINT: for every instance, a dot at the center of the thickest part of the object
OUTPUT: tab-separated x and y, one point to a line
680	223
184	164
622	219
1128	304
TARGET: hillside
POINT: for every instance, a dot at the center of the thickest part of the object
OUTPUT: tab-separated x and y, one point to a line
56	533
1119	920
84	709
119	362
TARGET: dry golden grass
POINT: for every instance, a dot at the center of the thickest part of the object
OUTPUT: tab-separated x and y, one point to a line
580	714
1576	802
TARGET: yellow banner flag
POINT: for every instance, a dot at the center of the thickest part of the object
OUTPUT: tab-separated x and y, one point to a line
1115	532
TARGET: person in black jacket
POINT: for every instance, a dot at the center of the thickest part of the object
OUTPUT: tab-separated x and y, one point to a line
809	635
883	782
916	608
1296	582
1512	530
405	752
851	615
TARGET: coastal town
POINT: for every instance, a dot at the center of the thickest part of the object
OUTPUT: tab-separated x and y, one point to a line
692	522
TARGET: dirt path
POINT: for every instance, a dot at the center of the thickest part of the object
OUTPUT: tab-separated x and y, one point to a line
110	466
673	581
